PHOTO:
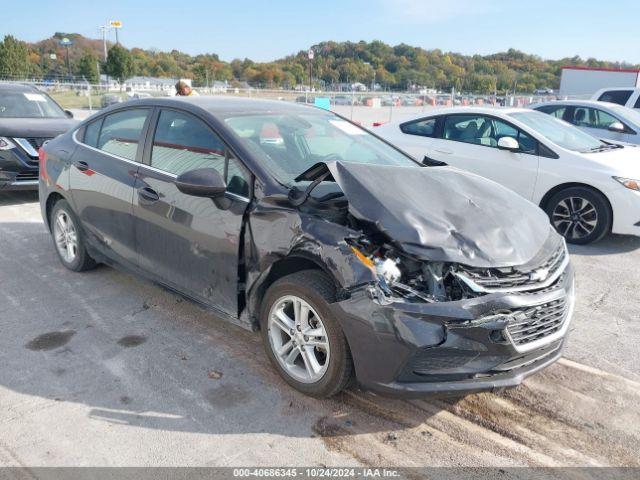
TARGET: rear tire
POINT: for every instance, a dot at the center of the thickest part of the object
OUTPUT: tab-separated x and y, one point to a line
68	238
580	214
325	346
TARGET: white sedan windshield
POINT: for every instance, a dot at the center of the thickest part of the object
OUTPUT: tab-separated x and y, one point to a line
559	132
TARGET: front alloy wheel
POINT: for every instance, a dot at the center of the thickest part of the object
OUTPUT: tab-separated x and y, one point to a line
580	214
575	218
298	339
302	338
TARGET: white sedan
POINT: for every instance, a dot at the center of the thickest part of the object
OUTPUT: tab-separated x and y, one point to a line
587	187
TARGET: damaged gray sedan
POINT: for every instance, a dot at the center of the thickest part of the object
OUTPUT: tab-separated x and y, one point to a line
354	261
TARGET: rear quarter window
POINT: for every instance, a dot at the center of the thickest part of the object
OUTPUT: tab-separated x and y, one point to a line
423	128
91	133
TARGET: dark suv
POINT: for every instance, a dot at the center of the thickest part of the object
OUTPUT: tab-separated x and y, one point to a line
28	118
351	258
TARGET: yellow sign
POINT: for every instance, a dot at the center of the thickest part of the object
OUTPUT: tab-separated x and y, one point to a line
115	23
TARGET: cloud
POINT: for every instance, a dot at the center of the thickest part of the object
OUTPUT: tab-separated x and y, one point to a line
432	11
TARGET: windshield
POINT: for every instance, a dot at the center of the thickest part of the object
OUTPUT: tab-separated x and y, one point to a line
628	114
289	144
28	105
559	132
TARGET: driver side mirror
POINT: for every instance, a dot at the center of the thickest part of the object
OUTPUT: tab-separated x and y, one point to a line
68	113
202	182
617	127
508	143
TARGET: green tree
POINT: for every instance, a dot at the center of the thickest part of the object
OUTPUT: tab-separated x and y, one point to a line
88	67
14	56
119	63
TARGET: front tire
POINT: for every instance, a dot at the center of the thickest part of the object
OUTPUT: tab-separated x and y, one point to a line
303	340
580	214
68	238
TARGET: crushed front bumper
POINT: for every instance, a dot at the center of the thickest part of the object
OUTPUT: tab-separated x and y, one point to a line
414	349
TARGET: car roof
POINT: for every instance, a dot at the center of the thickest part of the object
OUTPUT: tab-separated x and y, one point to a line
221	106
615	89
586	103
16	87
435	111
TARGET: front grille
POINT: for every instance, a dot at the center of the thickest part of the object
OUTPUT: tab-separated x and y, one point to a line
37	142
535	323
434	360
514	278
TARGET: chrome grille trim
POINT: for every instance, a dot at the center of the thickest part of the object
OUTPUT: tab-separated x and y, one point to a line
516	281
533	327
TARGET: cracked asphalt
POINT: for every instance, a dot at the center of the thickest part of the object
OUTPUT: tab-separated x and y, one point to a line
104	369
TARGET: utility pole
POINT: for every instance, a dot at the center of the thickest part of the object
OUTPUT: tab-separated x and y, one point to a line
103	29
310	54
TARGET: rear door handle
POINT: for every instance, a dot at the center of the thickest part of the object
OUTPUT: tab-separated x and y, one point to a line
148	195
444	151
82	166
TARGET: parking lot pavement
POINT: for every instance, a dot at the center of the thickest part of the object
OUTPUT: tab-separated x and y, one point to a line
101	368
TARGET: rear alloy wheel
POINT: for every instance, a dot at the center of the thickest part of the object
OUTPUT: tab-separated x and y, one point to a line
69	239
579	214
302	338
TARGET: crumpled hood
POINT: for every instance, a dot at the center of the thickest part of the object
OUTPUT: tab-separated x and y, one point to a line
443	214
35	127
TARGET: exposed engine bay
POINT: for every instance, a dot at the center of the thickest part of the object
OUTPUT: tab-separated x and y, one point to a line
408	273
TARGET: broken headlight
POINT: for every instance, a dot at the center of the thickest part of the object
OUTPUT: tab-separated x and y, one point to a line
404	277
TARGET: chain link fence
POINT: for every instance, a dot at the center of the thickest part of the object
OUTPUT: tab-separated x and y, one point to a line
368	108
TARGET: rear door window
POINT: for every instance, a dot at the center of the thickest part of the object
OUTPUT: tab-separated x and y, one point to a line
121	132
621	97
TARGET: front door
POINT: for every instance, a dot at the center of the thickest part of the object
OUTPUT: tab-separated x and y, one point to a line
596	122
102	178
190	243
470	142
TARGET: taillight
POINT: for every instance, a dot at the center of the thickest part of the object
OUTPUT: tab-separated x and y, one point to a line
42	157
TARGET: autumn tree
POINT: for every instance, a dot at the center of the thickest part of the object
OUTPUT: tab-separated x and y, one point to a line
119	64
88	67
14	58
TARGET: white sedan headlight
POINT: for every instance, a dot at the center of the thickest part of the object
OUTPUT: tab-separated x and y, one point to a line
629	183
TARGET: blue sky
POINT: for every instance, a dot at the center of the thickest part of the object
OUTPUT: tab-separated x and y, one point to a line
266	30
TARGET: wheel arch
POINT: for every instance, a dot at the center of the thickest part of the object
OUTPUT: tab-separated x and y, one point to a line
52	199
282	267
563	186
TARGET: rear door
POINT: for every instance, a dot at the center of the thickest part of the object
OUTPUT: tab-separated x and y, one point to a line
470	142
190	243
102	177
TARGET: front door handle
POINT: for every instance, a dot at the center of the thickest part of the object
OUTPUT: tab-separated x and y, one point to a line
148	195
80	165
444	151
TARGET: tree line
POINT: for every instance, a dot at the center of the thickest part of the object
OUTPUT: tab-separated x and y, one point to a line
399	67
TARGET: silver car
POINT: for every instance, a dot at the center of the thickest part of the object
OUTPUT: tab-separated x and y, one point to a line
603	120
